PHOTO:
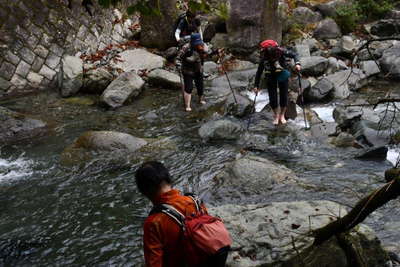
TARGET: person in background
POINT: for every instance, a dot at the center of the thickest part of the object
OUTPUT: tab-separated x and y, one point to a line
192	57
274	65
186	25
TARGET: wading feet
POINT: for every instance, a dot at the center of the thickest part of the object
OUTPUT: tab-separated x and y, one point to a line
282	119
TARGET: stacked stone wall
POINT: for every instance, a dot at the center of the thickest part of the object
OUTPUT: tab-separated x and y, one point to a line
35	34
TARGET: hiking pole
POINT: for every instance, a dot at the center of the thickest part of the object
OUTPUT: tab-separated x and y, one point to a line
302	100
253	109
229	81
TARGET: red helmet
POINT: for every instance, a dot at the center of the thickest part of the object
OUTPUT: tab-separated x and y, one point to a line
268	43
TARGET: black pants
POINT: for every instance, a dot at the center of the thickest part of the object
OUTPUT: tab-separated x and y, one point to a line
272	86
198	80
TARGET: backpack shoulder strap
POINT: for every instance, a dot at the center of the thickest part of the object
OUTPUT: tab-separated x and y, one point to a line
197	201
169	210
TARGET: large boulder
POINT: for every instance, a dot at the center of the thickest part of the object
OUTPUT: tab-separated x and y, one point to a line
246	28
250	176
390	62
15	127
280	234
347	80
320	91
101	142
127	85
304	15
160	77
335	65
138	59
327	29
314	65
157	30
329	9
370	67
96	80
386	28
346	116
71	79
221	130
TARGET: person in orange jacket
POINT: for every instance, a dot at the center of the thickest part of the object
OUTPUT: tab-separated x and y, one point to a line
162	237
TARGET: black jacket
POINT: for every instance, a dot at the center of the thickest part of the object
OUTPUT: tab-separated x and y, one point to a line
192	63
265	64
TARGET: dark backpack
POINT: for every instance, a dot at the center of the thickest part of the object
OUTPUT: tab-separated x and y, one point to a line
204	237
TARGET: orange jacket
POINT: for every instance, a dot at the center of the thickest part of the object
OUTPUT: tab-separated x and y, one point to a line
162	235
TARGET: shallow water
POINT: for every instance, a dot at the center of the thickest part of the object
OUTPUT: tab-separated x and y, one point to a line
92	214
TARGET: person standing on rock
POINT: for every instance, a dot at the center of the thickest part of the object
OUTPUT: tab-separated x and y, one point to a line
164	235
273	63
192	57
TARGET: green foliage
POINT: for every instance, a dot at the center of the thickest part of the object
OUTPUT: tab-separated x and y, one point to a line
202	6
347	17
144	8
374	9
222	11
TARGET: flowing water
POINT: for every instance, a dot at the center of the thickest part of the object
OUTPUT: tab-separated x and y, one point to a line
92	214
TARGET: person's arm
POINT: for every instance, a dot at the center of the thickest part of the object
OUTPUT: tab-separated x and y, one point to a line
153	247
258	74
291	54
179	30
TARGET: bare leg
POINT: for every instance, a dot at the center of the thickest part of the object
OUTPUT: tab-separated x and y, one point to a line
276	116
282	115
187	98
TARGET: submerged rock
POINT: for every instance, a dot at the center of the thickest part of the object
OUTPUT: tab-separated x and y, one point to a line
120	144
280	234
375	153
221	130
15	126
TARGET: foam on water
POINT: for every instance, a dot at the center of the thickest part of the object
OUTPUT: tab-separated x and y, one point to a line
325	113
14	169
393	155
261	101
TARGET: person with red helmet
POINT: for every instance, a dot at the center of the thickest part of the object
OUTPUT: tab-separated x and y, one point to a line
273	63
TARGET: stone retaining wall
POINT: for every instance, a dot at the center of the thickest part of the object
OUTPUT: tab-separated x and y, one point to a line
35	34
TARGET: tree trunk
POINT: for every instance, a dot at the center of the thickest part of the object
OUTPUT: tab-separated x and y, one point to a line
271	21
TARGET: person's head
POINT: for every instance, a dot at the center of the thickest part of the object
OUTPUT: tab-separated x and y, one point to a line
151	177
190	15
271	53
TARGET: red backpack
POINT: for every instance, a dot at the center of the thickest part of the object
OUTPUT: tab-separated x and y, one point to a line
204	236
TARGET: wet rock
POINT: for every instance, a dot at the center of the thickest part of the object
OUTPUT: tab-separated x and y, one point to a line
241	108
15	127
250	176
327	29
347	80
346	116
343	140
237	65
386	28
275	234
304	15
370	133
375	153
370	68
103	142
139	59
314	65
72	75
390	62
319	91
127	85
160	77
221	130
96	80
323	130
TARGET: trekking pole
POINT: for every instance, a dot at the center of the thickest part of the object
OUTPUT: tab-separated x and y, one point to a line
302	100
253	109
229	81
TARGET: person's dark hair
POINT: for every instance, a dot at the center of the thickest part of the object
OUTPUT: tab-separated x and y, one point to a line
150	176
191	14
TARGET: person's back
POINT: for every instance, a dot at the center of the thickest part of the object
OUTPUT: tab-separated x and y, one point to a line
162	235
165	241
